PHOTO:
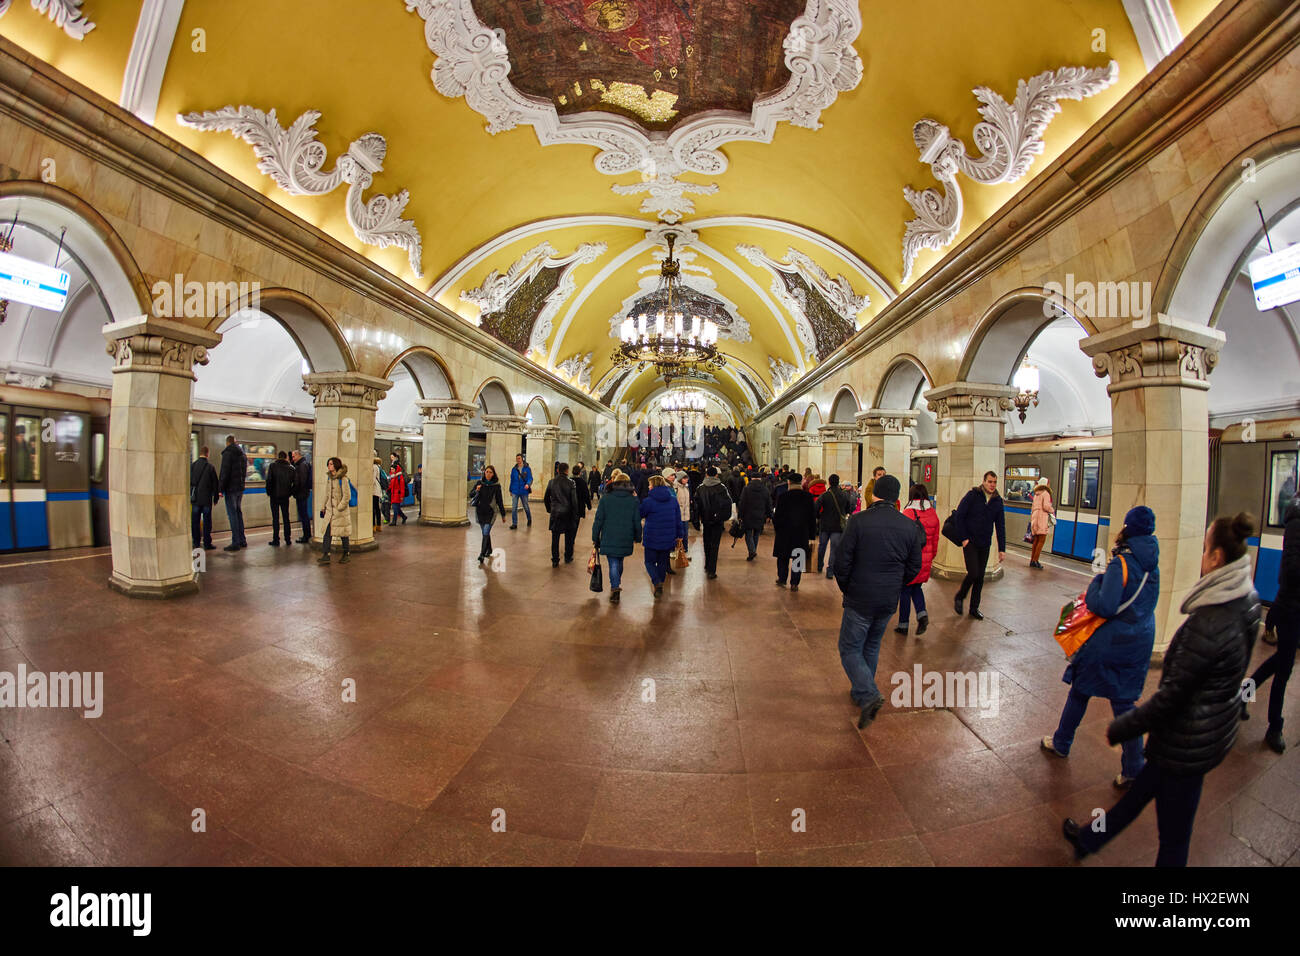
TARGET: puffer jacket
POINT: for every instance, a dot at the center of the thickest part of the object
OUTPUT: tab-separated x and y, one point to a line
1192	717
663	519
1288	577
1114	661
617	525
713	499
338	511
755	505
924	514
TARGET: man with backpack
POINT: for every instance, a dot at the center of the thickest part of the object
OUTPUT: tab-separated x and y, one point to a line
832	516
561	502
713	504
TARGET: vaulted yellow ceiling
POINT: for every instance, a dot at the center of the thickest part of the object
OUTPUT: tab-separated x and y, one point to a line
834	194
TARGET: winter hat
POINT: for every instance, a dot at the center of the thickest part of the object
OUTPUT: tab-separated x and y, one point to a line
886	488
834	480
1042	483
668	473
1139	520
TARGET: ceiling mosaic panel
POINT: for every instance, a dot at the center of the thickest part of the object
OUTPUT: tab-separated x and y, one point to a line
513	324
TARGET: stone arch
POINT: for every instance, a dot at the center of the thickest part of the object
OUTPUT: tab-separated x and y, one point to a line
494	398
566	422
1223	228
429	372
791	426
1003	336
812	417
845	406
310	326
96	246
902	383
538	402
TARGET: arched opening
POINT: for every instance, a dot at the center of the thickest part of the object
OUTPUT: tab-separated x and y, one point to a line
845	407
537	413
812	418
903	387
791	426
566	421
314	332
494	399
427	370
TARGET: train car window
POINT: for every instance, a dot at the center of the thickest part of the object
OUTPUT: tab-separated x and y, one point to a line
1091	492
27	448
4	447
194	446
67	462
259	460
1282	479
1019	482
304	448
97	457
1069	481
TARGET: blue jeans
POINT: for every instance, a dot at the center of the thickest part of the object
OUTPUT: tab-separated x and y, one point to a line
514	511
1076	704
486	550
860	651
236	515
615	571
304	515
656	565
911	594
751	540
826	543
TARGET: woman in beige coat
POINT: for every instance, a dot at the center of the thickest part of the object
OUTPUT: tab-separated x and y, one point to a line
1040	519
337	511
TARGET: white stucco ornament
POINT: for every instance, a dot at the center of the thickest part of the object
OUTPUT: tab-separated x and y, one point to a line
295	160
65	14
838	292
1009	138
577	369
473	62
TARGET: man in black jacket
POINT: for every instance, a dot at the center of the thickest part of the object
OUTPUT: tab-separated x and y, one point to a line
1286	618
832	516
878	553
713	505
754	508
302	494
203	495
234	469
794	525
561	503
280	479
978	516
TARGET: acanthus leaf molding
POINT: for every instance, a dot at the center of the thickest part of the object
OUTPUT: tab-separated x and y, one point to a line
837	292
1009	138
295	161
65	14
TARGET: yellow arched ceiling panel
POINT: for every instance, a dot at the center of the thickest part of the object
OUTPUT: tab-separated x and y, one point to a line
98	60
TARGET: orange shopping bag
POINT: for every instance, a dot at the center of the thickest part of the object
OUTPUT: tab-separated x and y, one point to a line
1077	623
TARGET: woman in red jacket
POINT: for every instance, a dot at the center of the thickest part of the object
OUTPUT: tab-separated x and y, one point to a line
396	491
921	510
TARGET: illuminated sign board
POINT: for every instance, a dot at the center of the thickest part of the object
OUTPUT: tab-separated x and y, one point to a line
22	280
1276	278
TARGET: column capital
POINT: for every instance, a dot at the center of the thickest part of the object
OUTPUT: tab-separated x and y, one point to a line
806	439
886	421
146	344
838	432
505	424
971	401
569	437
544	432
346	389
445	411
1165	351
789	442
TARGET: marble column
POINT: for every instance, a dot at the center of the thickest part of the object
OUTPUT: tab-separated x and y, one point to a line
810	453
887	442
149	454
345	429
443	498
541	457
972	426
568	447
1159	383
505	438
840	451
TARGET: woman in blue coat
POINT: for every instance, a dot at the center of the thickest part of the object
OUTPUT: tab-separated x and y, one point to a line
1113	663
663	531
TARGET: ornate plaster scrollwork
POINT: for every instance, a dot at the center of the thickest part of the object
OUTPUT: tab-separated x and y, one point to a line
472	61
295	160
1009	138
783	373
65	14
837	292
577	369
497	289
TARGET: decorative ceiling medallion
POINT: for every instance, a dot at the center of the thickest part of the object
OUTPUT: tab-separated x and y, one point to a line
1009	139
65	14
497	290
844	304
294	159
473	62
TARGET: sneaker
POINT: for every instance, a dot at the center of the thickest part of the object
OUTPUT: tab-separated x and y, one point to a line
1276	742
869	713
1050	747
1122	782
922	622
344	559
1071	831
977	614
323	559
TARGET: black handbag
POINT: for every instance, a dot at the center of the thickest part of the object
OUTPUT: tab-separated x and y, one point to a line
597	579
949	529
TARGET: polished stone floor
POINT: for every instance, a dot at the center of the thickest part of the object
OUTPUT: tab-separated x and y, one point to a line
519	697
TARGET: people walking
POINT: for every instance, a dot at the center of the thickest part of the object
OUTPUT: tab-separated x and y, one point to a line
487	501
521	486
663	530
713	502
879	552
396	492
832	515
234	470
280	484
794	526
753	510
1285	615
1040	519
978	518
377	497
560	499
302	490
594	481
336	509
921	510
1191	720
1113	662
616	528
682	488
579	478
203	495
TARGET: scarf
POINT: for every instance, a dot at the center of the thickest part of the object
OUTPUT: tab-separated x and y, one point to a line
920	504
1221	585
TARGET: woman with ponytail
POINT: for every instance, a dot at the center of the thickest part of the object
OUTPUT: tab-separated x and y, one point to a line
1191	720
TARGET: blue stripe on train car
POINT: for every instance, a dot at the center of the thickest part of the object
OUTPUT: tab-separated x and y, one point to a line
6	532
1268	564
30	525
1016	510
67	496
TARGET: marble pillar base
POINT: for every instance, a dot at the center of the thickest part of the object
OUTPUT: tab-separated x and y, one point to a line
152	590
956	574
444	522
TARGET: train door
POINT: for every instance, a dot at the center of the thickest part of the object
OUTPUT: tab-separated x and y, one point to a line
99	481
26	479
68	482
6	493
1078	512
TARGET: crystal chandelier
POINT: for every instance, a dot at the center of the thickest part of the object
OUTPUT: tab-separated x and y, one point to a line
668	339
1026	385
682	402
